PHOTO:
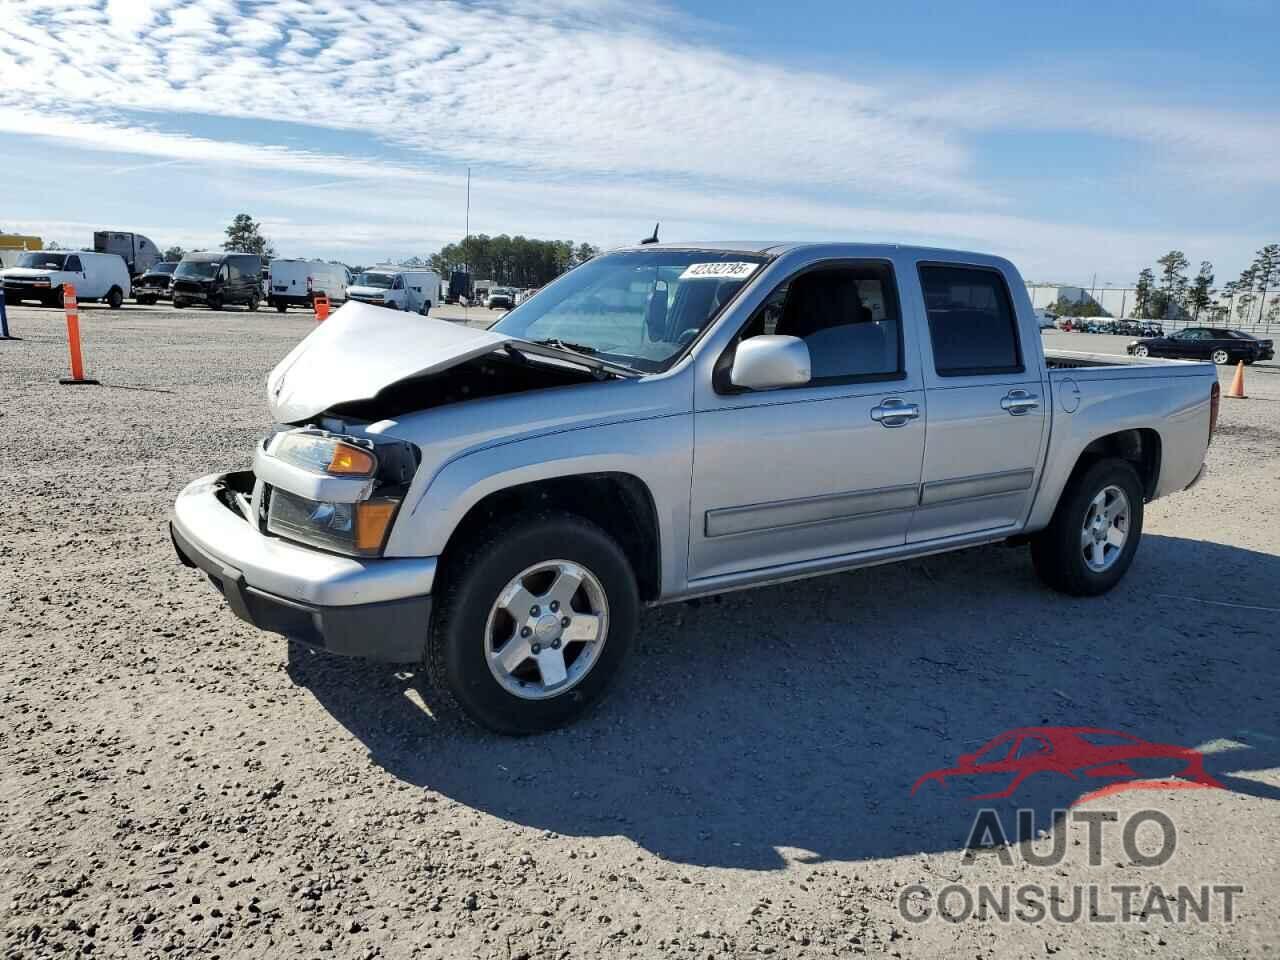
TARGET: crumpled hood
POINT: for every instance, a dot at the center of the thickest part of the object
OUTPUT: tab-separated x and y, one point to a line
360	350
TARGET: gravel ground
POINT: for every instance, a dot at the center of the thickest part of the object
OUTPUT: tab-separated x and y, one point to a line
177	784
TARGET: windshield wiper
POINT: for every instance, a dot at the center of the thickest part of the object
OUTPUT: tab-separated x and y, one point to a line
580	353
567	345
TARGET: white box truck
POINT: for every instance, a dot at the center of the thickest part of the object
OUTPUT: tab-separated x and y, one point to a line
138	253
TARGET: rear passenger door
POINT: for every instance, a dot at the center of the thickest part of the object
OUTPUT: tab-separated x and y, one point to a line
986	405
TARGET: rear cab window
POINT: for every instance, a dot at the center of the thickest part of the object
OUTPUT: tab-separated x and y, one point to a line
972	324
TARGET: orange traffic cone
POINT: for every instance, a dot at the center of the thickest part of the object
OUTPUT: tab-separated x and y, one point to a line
321	302
1237	384
73	338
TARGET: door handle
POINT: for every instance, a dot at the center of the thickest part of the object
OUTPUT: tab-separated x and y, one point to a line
1018	402
894	412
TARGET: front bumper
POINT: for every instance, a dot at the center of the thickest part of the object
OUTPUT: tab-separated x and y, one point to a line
375	608
15	291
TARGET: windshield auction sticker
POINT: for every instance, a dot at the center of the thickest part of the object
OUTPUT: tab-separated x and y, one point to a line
718	271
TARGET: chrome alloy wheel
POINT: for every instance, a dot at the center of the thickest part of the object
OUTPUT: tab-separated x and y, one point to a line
546	630
1220	357
1106	527
1141	350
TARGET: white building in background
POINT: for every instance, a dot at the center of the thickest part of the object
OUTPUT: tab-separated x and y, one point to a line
1114	301
1122	302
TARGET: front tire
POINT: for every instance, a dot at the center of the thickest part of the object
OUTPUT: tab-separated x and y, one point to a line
115	298
1141	351
1091	541
254	302
534	623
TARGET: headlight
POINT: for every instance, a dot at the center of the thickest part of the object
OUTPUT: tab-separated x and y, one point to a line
324	454
357	529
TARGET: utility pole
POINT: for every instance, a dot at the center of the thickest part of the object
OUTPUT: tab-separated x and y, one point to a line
468	234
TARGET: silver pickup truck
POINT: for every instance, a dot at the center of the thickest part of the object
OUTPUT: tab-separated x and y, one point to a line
666	422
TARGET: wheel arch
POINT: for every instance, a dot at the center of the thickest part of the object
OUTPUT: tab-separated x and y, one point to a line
1140	446
619	503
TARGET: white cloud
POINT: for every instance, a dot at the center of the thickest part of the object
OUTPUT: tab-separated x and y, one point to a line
558	90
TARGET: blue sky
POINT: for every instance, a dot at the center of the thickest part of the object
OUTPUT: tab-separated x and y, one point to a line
1075	141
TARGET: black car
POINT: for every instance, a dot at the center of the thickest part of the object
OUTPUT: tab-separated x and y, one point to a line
1205	343
154	284
218	279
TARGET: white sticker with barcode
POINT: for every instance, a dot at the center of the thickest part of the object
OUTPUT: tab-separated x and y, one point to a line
718	271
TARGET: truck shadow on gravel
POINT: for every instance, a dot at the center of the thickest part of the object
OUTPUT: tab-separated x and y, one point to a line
790	723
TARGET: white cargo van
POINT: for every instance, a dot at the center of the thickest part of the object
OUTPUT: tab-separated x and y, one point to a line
294	283
399	289
40	275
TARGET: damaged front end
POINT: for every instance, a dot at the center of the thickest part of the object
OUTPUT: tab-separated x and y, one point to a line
334	492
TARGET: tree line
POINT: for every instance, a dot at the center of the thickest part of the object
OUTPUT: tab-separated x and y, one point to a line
1158	293
511	261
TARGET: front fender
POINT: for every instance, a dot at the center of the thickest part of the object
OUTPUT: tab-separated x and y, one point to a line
658	452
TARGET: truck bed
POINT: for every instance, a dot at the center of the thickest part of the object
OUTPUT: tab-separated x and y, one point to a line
1073	359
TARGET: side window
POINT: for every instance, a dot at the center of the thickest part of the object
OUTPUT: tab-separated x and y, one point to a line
73	265
847	315
971	321
398	284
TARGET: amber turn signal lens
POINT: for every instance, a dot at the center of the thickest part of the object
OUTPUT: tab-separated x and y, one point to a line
352	461
373	517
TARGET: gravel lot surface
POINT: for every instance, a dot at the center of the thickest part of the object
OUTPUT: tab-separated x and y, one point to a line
177	784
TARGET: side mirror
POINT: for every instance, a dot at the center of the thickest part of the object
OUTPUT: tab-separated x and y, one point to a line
769	362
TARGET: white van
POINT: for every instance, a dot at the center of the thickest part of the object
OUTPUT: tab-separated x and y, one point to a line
399	289
294	283
41	274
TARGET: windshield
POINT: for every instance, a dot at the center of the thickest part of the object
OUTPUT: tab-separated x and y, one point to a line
380	280
42	261
163	268
636	308
197	269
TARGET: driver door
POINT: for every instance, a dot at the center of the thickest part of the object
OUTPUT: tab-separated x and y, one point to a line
799	474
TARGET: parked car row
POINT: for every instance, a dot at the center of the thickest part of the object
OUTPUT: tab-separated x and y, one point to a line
1123	327
215	279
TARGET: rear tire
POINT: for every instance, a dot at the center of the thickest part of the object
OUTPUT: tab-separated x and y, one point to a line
115	298
1141	351
282	308
215	303
254	302
472	622
179	304
1220	357
1067	556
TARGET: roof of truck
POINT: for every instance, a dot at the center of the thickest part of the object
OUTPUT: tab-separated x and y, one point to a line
778	247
